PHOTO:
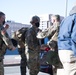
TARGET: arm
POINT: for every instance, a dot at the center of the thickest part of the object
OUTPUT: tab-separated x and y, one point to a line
47	32
18	39
6	39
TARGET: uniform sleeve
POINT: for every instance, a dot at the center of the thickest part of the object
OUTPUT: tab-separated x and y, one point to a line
48	32
55	36
30	41
6	38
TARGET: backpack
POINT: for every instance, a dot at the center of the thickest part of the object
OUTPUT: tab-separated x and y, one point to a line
23	31
19	35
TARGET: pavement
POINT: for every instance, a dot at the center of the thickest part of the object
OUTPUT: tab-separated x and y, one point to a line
15	70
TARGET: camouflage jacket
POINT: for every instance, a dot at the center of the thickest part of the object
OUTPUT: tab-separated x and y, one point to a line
5	41
55	36
31	39
52	31
19	35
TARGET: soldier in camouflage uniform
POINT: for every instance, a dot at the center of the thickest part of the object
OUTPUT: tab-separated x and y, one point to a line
52	56
33	46
19	35
5	42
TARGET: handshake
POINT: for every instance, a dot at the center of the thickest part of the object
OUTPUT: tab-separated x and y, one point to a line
51	45
45	47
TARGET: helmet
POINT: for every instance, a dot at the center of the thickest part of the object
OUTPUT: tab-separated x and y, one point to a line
35	18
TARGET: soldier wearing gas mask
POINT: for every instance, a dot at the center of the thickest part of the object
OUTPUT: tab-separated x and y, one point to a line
33	45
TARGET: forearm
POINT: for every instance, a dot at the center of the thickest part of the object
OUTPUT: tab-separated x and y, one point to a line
7	40
46	33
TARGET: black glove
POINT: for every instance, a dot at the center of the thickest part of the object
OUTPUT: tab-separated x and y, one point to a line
53	44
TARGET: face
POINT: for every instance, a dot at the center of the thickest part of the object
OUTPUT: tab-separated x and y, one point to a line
2	20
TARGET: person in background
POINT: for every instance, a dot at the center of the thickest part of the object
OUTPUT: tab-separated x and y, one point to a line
67	43
33	45
5	42
52	31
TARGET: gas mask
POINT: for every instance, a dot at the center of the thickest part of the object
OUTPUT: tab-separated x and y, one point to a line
37	24
3	22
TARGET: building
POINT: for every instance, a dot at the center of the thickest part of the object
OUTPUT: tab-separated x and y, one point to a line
45	20
14	26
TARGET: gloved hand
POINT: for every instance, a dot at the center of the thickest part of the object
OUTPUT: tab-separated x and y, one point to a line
52	44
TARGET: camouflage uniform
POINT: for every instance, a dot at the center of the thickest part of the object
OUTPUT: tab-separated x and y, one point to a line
23	60
33	50
20	37
47	32
5	42
52	56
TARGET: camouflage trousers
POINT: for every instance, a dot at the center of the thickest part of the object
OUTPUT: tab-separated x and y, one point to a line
23	62
1	68
33	62
23	66
53	59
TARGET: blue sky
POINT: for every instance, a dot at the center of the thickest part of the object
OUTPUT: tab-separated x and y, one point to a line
21	10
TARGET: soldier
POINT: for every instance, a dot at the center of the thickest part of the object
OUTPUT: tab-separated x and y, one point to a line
19	35
33	46
5	42
53	33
